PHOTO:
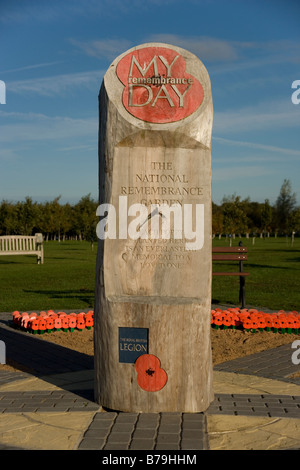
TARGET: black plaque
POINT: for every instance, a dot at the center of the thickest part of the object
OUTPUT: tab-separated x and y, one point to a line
133	342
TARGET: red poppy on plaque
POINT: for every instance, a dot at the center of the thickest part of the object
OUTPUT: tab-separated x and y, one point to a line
157	87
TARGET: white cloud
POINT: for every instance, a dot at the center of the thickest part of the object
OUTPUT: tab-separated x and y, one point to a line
265	115
210	49
57	84
102	48
238	173
7	155
21	11
87	147
256	63
30	67
214	49
39	127
254	145
206	48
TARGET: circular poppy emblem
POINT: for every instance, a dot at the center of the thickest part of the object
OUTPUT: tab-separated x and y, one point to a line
150	376
157	87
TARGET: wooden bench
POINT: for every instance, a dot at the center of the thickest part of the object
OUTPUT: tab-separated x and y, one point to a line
23	245
233	253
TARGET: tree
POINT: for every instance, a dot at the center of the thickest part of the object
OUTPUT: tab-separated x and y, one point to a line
51	218
217	220
234	217
8	219
253	214
86	219
66	224
266	216
27	216
285	207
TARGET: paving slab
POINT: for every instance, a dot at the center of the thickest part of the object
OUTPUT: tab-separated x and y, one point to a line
256	406
44	430
233	382
252	433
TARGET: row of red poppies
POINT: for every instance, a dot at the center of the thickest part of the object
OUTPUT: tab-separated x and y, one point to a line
247	319
253	320
51	321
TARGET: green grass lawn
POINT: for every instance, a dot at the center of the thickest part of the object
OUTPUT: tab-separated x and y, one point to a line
274	281
66	280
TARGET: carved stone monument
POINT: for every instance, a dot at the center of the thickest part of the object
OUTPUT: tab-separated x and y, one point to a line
153	279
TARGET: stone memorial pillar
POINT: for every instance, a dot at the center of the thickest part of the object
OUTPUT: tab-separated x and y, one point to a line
153	279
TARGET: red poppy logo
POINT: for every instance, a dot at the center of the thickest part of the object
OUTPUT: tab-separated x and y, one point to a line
150	376
157	87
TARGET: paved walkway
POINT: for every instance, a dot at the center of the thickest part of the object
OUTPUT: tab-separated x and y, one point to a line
49	406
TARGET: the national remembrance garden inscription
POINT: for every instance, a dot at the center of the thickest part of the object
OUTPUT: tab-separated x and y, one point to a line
154	256
160	183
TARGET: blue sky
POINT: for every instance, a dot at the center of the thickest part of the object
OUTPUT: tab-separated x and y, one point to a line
53	59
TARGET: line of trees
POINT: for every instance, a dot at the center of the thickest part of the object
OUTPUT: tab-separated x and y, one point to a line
237	216
233	216
56	221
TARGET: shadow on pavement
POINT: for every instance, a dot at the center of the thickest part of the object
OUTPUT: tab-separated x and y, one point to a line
41	358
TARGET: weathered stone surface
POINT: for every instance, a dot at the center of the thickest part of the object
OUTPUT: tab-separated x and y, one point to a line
43	431
250	433
155	148
230	382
